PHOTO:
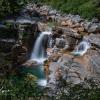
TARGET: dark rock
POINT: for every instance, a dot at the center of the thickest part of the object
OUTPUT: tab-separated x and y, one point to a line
19	54
71	42
2	26
60	42
6	32
57	32
8	37
6	44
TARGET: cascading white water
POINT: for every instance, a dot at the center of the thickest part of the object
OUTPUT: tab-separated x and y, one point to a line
38	55
82	48
38	50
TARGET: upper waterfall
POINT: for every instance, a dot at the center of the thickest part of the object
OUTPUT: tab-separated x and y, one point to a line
38	53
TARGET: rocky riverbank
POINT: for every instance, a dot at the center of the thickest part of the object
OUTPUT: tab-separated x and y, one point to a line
67	32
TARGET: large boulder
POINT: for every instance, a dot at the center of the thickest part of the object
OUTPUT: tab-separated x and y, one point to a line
68	69
60	42
69	32
94	39
91	27
70	37
95	27
95	63
57	32
30	63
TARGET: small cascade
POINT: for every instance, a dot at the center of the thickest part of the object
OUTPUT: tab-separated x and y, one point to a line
82	48
38	55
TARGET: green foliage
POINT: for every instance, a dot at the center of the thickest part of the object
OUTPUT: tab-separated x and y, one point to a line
15	88
85	8
4	8
11	6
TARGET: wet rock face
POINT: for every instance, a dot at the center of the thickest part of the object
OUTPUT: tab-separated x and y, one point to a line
30	63
19	54
28	26
23	27
31	35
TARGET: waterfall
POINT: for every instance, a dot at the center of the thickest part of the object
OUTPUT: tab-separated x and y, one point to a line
82	48
38	55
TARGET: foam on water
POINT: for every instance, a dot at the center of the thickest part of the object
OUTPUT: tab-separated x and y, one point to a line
38	55
82	48
42	82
